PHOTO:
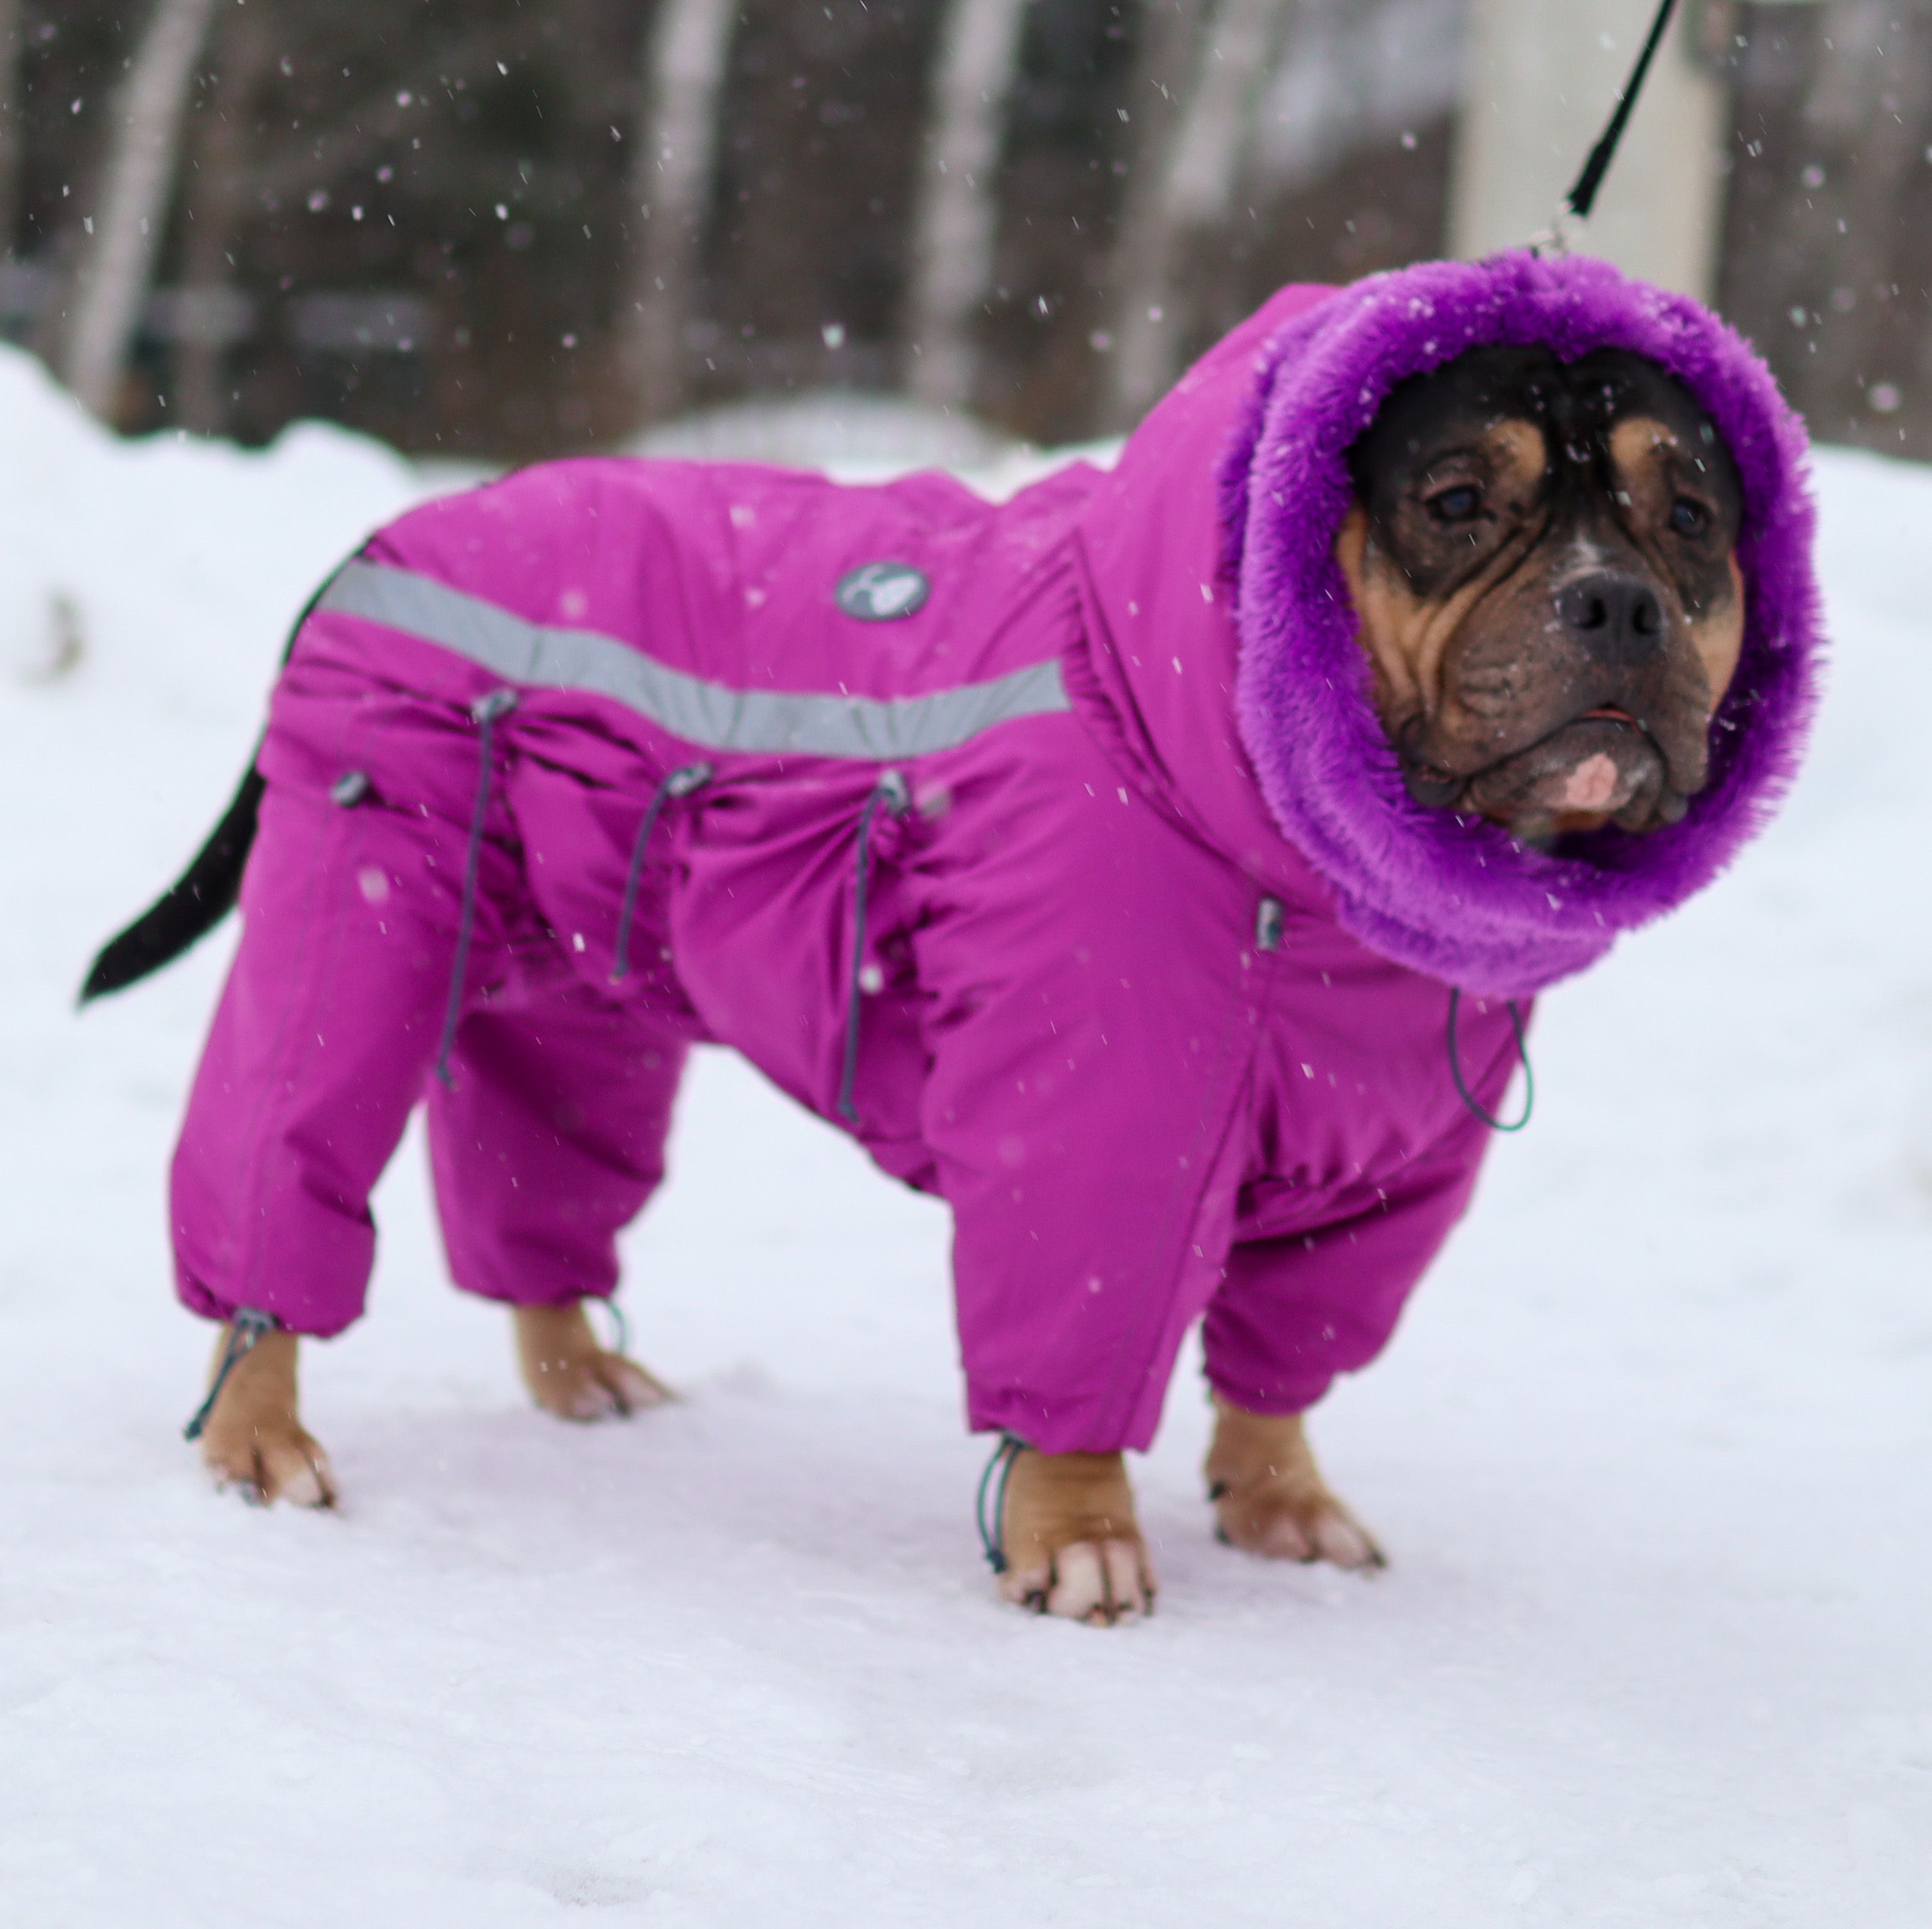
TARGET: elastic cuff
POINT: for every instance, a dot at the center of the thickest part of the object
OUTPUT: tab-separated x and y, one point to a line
528	1295
1275	1398
1051	1427
207	1305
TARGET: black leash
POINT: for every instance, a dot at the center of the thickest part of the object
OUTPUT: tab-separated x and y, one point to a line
1582	195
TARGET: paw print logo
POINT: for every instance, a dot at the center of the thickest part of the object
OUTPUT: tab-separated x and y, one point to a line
878	592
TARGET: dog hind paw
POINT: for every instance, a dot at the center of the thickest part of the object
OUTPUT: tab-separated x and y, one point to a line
604	1386
570	1375
1269	1498
1295	1527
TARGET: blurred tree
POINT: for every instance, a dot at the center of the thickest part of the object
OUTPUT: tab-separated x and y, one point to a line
1828	245
214	312
13	133
1190	193
956	219
115	264
808	261
428	219
1166	74
673	156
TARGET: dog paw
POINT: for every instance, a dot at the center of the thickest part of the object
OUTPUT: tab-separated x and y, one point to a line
1072	1544
254	1443
1294	1526
270	1464
570	1375
602	1387
1269	1498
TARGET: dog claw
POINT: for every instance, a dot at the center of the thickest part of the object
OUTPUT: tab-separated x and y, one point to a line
1103	1584
1342	1542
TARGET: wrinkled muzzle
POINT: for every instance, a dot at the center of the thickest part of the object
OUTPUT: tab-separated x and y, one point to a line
1598	707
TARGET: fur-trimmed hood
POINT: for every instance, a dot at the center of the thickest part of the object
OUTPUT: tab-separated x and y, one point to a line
1279	403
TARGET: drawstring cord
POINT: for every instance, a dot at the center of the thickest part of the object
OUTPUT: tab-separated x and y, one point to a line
992	1522
693	777
245	1330
620	1326
484	712
1495	1124
891	790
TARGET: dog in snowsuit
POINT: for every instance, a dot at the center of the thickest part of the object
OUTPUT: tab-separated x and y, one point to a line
1066	852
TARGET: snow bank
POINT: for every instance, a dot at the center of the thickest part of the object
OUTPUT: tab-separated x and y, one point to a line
1650	1455
842	429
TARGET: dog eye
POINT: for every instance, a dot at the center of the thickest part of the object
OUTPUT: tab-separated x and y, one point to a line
1457	504
1688	518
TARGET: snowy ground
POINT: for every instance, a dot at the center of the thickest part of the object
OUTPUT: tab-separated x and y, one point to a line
1651	1455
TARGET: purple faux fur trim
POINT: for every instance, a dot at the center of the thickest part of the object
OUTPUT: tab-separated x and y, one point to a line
1450	896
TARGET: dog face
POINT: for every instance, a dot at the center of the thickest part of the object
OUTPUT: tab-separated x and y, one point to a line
1542	557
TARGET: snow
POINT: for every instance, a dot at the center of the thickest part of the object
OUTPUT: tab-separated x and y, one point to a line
855	435
1649	1454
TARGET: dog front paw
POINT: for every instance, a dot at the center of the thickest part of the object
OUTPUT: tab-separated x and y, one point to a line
1071	1545
1269	1498
570	1375
276	1461
254	1443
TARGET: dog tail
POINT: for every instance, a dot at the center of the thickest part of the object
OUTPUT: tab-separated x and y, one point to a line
190	908
207	891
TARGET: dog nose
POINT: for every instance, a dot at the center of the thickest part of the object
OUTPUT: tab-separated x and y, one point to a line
1617	617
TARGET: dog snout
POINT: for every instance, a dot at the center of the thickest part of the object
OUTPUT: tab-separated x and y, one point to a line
1616	618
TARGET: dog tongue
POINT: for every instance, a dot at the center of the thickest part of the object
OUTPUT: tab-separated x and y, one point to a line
1594	785
1594	767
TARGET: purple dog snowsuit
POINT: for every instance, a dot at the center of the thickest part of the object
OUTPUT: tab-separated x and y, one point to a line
1052	847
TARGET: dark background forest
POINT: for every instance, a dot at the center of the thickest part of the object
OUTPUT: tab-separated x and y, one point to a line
497	230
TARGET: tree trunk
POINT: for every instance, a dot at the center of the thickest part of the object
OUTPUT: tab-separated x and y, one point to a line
1828	253
244	48
1192	191
686	55
1165	73
956	223
12	133
118	260
1540	78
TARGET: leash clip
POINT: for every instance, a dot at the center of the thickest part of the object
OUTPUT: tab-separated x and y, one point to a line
1555	242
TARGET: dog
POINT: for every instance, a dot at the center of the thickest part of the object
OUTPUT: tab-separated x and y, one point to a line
1101	860
1542	557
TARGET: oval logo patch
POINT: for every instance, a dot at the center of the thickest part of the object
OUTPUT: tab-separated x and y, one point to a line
876	592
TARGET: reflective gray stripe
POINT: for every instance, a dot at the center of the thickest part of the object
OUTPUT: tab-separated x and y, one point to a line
769	722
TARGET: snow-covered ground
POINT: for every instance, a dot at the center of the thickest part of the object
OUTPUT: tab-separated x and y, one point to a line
1651	1454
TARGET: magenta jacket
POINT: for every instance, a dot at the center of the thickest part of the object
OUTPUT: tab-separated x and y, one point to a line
1051	848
